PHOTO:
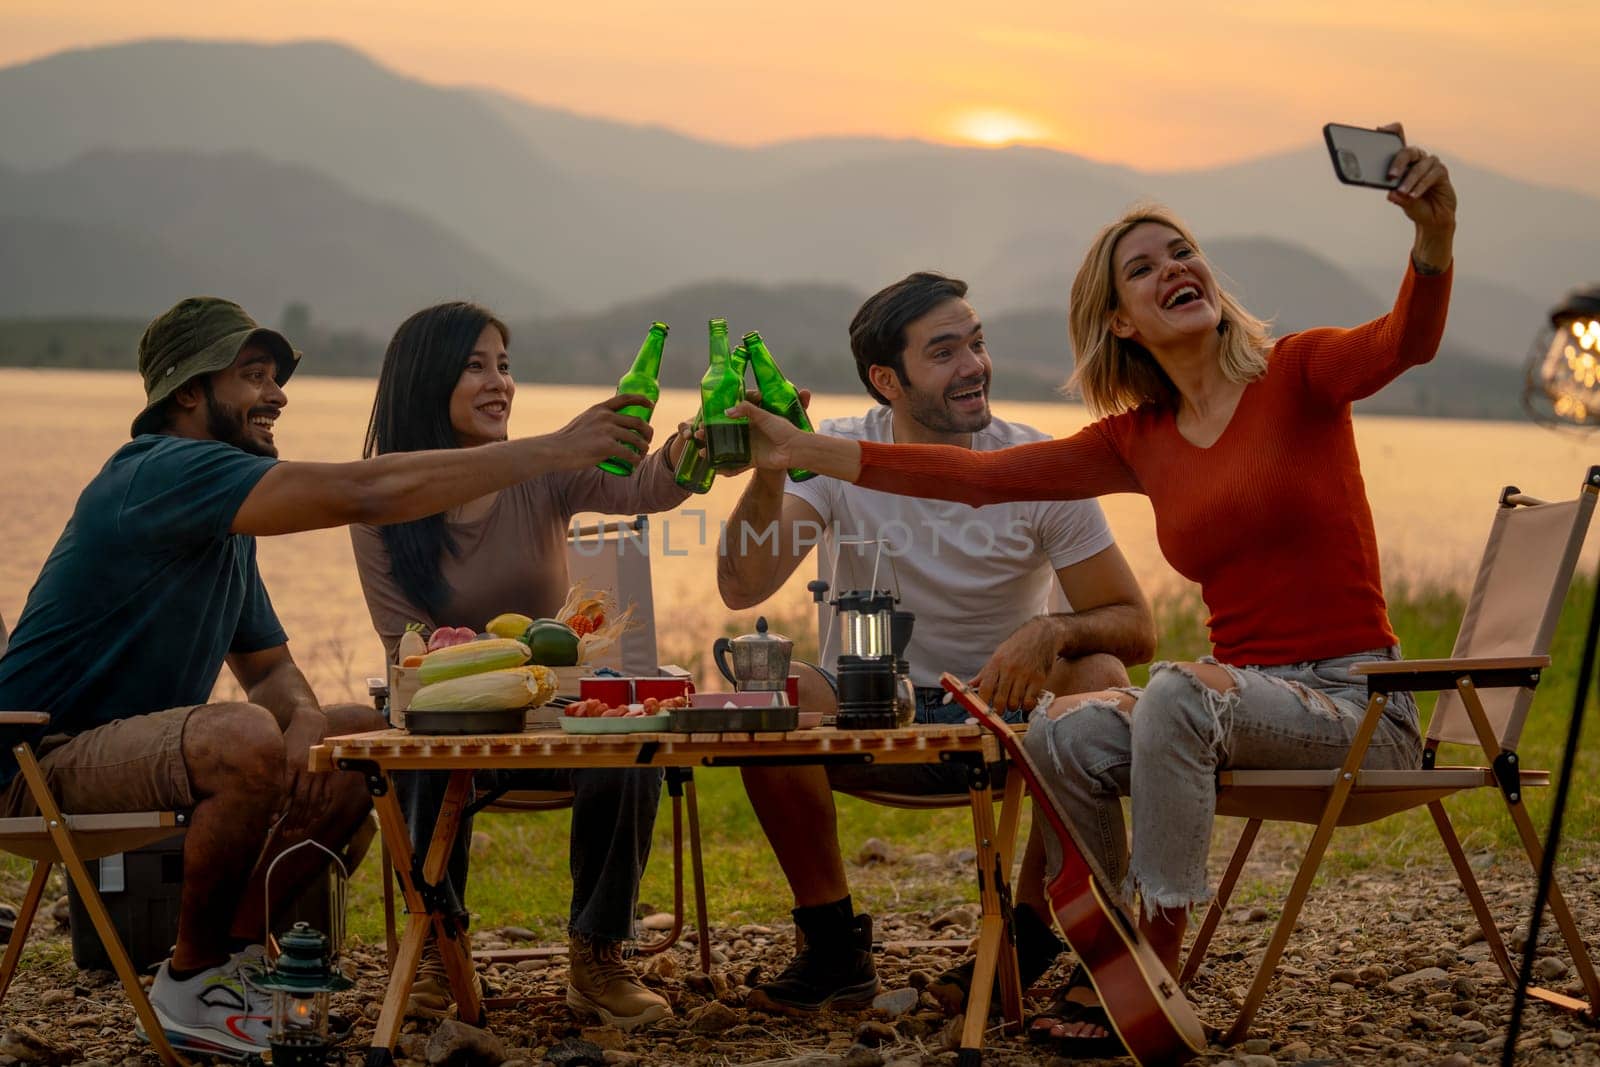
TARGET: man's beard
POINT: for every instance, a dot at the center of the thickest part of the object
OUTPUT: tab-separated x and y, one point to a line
224	423
932	411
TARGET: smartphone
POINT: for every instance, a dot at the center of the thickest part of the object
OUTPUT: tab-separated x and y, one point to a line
1362	156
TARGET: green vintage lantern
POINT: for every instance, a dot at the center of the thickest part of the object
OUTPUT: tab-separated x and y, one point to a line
300	980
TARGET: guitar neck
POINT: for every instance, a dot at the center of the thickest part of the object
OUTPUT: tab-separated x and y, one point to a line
1022	763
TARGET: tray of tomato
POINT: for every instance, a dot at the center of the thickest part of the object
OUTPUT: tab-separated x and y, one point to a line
597	717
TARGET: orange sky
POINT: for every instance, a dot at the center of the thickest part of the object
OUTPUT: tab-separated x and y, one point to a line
1156	85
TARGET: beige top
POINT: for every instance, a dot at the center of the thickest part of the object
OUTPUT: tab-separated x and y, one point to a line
513	558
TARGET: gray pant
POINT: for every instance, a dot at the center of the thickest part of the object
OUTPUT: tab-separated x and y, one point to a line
613	819
1166	754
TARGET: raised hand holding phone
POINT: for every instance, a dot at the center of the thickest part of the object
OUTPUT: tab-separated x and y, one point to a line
1416	179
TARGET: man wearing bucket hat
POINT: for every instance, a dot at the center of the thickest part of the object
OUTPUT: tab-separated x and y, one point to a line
153	587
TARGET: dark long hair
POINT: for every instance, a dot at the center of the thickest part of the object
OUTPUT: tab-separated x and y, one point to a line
411	413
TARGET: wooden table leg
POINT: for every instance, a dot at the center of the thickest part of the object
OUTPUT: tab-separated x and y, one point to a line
455	944
996	949
418	916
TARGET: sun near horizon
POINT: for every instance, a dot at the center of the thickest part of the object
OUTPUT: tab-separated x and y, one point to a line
996	127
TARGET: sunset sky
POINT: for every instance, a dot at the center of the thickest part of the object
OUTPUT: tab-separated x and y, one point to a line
1154	86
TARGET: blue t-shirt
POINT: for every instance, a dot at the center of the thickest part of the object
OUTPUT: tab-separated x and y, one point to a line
143	596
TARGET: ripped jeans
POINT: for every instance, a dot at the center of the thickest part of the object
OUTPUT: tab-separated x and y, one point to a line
1295	716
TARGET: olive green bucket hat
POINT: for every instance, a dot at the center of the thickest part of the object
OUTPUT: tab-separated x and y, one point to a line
199	335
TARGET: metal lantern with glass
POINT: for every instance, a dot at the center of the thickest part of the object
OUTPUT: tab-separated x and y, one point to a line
304	972
874	687
300	980
1563	380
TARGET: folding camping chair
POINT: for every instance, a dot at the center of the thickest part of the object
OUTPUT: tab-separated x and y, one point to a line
606	555
1485	688
50	838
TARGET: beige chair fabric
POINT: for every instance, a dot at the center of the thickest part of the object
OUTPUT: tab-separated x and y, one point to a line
1527	566
1486	691
615	554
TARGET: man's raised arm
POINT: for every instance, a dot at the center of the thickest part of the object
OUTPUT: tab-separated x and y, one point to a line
403	486
769	533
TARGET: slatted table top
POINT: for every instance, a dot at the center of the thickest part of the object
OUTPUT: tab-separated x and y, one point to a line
400	750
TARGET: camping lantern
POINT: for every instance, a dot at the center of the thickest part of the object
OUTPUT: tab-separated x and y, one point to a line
304	971
1563	378
300	980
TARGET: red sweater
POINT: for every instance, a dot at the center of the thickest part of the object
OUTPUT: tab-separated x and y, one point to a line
1272	520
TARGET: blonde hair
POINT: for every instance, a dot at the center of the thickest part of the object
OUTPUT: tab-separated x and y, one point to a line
1115	374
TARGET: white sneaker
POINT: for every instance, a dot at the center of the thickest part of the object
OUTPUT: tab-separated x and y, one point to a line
217	1012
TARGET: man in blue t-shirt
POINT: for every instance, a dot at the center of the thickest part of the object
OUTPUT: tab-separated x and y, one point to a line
155	575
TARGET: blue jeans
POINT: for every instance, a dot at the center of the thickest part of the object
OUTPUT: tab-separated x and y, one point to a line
1166	754
613	819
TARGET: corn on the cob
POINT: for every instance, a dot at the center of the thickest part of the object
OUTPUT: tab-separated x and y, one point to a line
473	657
515	687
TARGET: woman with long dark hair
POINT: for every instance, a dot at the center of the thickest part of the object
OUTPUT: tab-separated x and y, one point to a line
1245	447
446	383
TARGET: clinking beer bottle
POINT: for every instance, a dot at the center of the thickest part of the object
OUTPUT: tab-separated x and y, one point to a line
694	471
727	439
642	379
778	395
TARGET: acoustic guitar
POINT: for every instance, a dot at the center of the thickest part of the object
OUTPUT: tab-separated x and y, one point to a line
1150	1014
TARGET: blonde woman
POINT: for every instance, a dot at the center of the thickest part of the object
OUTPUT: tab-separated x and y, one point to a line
1245	448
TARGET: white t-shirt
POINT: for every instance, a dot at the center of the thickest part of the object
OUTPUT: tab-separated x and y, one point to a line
971	575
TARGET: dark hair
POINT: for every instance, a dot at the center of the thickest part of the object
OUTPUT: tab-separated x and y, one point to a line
878	332
411	413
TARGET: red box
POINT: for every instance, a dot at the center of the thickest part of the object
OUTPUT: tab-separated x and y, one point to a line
618	691
613	692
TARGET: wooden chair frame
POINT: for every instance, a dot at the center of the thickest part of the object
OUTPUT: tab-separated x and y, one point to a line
50	838
1352	796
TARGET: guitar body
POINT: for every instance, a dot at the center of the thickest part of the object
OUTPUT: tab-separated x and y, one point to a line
1150	1014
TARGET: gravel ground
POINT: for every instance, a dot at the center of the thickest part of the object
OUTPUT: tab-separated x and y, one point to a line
1386	966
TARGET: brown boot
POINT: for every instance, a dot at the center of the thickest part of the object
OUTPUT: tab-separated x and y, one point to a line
600	985
431	997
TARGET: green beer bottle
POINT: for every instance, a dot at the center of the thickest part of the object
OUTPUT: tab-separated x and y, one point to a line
727	439
642	379
778	395
694	471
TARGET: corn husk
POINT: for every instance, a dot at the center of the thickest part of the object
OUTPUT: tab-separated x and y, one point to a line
582	599
514	687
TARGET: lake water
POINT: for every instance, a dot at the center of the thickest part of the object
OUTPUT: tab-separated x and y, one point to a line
1432	483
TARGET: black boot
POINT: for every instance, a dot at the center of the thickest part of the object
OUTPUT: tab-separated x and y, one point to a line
832	965
1037	949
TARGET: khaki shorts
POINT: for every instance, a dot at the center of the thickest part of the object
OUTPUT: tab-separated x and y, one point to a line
133	764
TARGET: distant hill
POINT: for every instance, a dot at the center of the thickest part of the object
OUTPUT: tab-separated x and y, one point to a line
129	233
595	211
806	328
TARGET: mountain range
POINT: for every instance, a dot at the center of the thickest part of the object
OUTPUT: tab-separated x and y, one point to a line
305	172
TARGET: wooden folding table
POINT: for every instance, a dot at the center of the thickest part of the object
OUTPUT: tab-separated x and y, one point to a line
379	754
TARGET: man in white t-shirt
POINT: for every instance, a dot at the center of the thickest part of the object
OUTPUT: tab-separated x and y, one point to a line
980	582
